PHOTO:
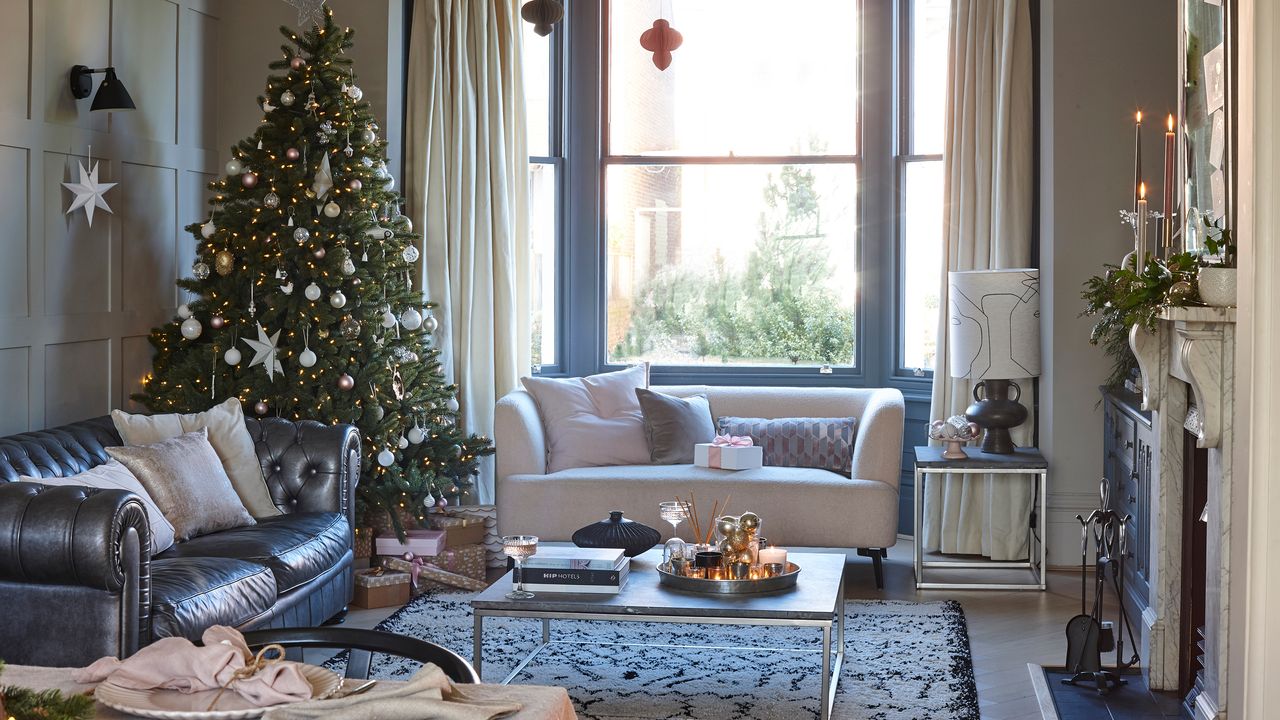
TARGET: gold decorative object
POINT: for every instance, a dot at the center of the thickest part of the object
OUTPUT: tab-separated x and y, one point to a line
224	262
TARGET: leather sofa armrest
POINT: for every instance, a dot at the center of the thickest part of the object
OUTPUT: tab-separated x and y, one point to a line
308	466
877	451
519	436
79	536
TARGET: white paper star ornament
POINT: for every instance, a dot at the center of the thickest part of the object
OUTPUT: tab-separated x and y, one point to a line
324	179
265	351
309	11
88	192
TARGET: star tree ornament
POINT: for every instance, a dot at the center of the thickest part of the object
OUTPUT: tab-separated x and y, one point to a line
323	180
266	351
88	190
310	12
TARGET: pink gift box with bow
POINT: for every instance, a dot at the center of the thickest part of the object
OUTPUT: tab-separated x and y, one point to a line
729	452
418	542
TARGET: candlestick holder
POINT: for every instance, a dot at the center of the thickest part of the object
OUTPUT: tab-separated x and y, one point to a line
1140	248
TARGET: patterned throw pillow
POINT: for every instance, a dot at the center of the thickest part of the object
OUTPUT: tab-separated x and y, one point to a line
825	443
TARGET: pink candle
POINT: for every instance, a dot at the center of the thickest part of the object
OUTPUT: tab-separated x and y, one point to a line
1170	165
1137	157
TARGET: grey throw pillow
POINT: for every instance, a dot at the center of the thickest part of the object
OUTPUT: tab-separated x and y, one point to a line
673	425
185	478
824	443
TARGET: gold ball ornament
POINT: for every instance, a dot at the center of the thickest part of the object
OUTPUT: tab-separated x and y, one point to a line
726	524
749	521
738	539
224	262
1180	292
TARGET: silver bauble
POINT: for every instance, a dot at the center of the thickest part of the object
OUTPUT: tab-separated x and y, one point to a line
332	209
386	458
350	328
200	270
378	413
301	234
208	229
416	435
430	323
312	292
271	201
307	358
367	136
348	267
388	319
410	254
355	185
402	443
232	356
260	407
287	97
411	319
191	328
452	404
354	93
338	300
234	167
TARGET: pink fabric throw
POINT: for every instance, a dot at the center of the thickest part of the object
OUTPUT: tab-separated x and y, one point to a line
179	664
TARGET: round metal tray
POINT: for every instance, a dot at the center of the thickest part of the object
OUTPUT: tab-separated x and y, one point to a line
729	587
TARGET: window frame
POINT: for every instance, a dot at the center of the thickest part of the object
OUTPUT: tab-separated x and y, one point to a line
557	146
583	275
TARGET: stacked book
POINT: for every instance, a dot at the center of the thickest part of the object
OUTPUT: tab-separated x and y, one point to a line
576	570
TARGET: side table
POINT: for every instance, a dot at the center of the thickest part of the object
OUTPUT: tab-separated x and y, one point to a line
1027	462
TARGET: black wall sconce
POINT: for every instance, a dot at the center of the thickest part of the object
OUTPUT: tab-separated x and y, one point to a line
111	93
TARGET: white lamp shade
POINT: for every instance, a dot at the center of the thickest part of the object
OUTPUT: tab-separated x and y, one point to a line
995	323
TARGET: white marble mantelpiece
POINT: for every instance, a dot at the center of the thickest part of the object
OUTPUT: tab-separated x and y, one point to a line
1191	354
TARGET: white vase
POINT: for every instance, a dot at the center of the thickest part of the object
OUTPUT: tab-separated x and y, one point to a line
1218	286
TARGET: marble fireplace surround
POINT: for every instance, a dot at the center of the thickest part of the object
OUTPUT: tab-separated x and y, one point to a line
1192	349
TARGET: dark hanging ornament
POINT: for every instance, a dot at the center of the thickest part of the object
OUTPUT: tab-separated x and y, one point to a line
543	14
660	40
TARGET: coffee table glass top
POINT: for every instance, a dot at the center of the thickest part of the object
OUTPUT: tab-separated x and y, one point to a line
813	598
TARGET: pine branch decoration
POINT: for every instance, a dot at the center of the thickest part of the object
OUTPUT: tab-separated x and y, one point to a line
24	704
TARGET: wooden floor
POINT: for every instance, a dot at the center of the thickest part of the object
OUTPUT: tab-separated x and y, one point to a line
1007	629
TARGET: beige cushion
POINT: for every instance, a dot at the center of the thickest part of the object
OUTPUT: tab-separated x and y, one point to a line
111	475
186	480
594	420
228	436
673	425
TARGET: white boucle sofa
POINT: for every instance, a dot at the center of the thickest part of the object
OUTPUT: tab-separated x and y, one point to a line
800	507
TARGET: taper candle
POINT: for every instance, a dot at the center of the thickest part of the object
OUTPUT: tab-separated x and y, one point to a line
1140	249
1137	157
1170	164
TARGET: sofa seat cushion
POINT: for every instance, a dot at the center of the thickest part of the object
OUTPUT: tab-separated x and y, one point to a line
800	507
297	548
190	594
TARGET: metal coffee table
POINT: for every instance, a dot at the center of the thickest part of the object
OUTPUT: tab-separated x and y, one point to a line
817	601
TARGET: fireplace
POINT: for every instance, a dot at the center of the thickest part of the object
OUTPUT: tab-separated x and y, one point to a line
1195	482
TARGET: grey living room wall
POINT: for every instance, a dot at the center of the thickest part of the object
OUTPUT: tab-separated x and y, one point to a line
1100	60
76	302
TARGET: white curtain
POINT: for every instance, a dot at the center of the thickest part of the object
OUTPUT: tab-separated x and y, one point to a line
467	187
988	170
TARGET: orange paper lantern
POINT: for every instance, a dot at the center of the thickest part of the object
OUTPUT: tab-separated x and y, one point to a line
660	40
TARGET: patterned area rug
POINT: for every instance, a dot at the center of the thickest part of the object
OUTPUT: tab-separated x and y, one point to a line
903	661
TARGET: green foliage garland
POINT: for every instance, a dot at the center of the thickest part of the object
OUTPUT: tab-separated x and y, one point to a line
24	704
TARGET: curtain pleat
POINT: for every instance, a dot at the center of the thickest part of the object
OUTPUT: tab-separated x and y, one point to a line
467	189
987	160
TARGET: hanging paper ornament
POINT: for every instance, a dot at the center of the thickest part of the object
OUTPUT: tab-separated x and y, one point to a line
415	433
386	458
271	200
367	136
297	63
184	312
543	14
232	356
410	254
411	319
312	292
430	323
388	318
348	267
249	179
266	351
397	385
346	382
191	328
208	229
301	234
292	154
200	270
319	253
660	40
224	262
402	443
260	407
88	191
217	322
234	167
338	300
323	180
350	328
287	97
332	209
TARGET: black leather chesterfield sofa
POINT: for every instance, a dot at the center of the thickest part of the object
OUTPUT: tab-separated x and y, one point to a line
78	582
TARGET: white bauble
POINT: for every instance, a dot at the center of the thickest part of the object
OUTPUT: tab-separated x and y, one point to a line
411	319
232	356
430	323
388	319
312	292
208	229
306	358
452	405
287	97
416	435
410	254
332	209
191	328
402	443
337	299
184	312
386	458
234	167
348	267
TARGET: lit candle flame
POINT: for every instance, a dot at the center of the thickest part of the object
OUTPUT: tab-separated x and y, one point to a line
1168	123
1138	117
1142	191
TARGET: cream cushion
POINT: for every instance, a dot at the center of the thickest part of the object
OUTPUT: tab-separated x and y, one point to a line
111	475
594	420
228	436
183	476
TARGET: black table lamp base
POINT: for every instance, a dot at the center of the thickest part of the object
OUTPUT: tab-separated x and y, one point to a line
997	413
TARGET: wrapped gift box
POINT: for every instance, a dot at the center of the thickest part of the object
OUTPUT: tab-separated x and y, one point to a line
488	514
363	542
728	457
467	561
418	542
459	531
380	589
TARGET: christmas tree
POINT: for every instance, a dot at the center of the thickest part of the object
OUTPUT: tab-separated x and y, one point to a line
304	277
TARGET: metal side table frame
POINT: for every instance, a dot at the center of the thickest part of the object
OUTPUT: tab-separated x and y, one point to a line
1025	462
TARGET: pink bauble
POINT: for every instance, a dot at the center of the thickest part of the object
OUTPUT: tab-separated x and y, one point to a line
442	503
292	154
319	253
216	322
249	180
355	184
297	63
260	407
346	382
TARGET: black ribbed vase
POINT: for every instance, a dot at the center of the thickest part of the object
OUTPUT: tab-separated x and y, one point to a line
631	537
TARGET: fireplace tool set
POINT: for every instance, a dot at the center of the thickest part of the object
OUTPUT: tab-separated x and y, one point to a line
1088	635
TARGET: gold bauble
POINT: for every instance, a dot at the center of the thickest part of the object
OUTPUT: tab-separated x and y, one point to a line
743	556
749	521
224	262
737	539
726	524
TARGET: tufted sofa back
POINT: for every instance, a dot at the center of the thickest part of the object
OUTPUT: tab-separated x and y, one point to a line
57	452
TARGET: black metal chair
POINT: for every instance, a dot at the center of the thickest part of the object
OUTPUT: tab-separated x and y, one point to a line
360	646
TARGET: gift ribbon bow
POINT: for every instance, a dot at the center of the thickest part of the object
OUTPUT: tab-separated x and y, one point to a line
732	441
415	570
